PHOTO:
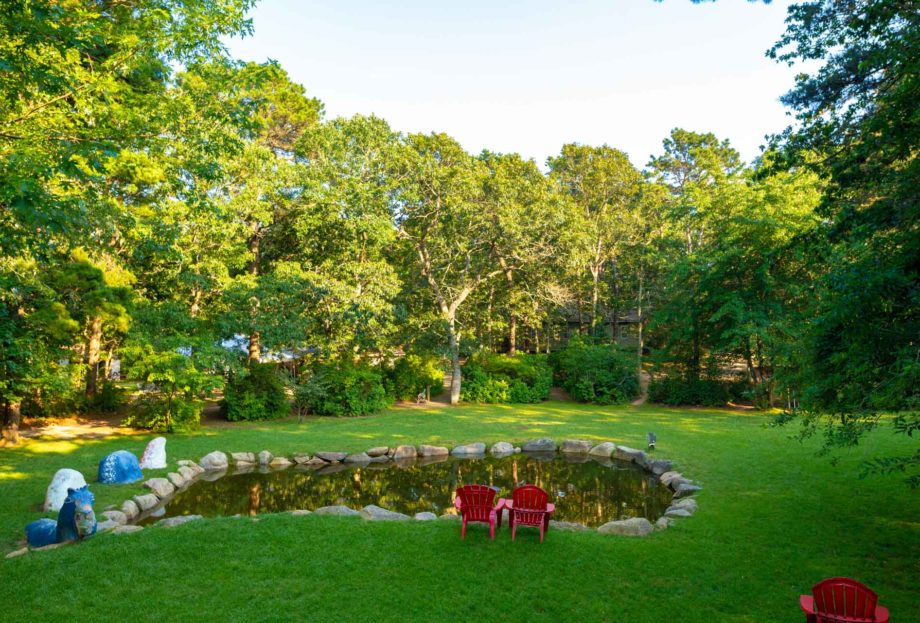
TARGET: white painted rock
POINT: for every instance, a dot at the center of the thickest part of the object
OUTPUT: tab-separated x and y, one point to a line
634	526
502	448
154	456
63	479
214	461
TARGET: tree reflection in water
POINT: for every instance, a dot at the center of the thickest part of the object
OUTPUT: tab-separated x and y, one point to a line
589	492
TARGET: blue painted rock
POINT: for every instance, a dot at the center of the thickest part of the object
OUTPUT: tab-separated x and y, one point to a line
76	520
119	467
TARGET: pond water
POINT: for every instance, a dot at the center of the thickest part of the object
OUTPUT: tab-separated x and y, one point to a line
584	490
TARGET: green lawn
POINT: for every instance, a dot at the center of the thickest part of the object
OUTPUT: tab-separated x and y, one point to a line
773	520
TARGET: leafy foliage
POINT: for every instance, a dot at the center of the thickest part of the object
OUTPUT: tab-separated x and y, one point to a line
676	390
596	373
257	394
413	374
344	389
521	378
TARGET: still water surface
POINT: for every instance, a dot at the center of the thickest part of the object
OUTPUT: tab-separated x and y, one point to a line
584	490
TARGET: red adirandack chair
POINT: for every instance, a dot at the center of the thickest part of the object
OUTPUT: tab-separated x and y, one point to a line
529	507
476	503
842	600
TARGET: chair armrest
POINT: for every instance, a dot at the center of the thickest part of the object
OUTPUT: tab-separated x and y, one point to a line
807	602
509	504
881	614
458	504
500	504
550	508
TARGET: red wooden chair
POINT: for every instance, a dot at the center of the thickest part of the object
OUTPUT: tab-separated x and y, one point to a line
529	507
842	600
475	503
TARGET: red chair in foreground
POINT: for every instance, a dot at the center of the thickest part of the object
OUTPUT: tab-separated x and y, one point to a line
477	503
842	600
529	507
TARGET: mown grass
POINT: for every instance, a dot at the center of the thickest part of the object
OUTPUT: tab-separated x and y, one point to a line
773	520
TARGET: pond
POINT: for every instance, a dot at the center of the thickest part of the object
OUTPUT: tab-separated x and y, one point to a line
584	490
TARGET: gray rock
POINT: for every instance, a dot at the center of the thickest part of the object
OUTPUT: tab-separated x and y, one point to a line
56	493
502	448
171	522
603	449
214	461
105	526
378	451
117	516
404	452
18	552
280	462
677	512
658	466
425	516
332	457
192	465
575	446
540	445
361	457
373	512
188	473
449	517
301	512
634	526
146	501
302	459
176	479
683	489
162	487
517	450
568	526
380	459
265	457
663	523
243	457
622	453
130	509
425	450
338	510
127	529
470	449
688	504
316	462
667	477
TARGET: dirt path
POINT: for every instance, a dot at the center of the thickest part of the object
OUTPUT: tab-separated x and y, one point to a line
96	427
644	379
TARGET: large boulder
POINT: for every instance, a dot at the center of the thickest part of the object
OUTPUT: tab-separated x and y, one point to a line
332	457
372	512
634	526
63	480
502	448
470	449
425	450
404	452
161	486
338	510
119	467
214	461
575	446
540	445
623	453
603	449
154	456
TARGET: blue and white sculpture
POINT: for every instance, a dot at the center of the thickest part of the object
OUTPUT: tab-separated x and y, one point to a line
120	467
76	520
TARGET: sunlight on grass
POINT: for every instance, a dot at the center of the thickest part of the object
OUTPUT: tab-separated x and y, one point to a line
51	447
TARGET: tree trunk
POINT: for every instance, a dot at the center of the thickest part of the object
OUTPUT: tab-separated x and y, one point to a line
595	297
639	321
93	347
512	317
11	419
454	345
255	348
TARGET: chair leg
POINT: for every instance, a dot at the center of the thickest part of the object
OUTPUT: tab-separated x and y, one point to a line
513	530
463	529
491	530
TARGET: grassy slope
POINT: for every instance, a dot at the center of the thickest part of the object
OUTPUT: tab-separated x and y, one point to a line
773	520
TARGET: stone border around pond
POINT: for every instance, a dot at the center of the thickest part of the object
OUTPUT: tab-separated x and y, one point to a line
215	465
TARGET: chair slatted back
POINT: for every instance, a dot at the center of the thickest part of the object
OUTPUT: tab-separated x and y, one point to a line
477	502
529	505
842	600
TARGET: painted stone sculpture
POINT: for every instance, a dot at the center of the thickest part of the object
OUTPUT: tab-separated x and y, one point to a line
63	480
154	456
119	467
76	520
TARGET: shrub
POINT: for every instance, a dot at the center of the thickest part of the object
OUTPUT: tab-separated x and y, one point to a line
257	395
490	378
678	390
162	412
343	388
599	374
412	374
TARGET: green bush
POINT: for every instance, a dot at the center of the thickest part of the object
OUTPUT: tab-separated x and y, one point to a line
490	378
598	374
412	374
678	390
343	389
164	413
257	395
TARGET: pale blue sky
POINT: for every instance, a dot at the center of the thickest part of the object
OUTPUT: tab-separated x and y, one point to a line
530	76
